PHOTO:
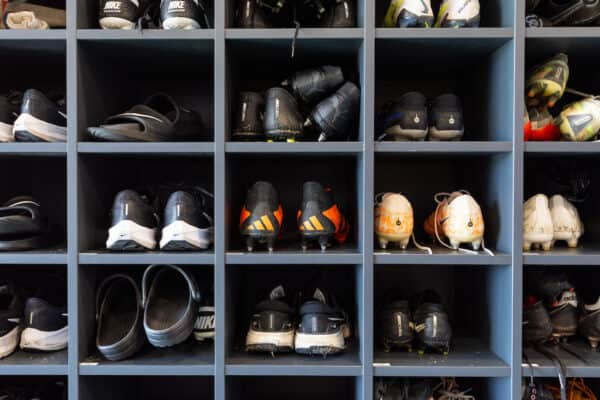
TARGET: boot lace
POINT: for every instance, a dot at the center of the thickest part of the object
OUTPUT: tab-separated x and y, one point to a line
448	389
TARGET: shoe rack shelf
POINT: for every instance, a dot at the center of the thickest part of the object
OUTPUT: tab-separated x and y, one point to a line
106	71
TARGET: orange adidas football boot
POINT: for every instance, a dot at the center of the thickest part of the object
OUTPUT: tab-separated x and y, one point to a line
261	216
319	218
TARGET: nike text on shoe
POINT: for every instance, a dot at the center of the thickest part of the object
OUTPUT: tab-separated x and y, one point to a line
334	118
171	299
538	229
397	326
589	323
446	118
324	326
546	82
272	327
580	121
249	117
408	14
187	222
120	314
134	223
183	14
458	14
283	121
432	326
560	299
204	328
261	216
407	118
8	113
11	318
41	119
319	217
565	221
312	85
121	14
23	226
45	326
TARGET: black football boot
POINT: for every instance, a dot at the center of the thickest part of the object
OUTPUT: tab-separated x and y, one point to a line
283	121
249	117
335	117
261	216
251	15
310	86
397	326
431	322
537	327
560	299
446	118
319	218
589	323
328	13
406	118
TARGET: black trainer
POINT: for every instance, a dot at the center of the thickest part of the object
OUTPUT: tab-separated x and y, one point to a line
432	325
184	14
41	119
204	328
46	326
249	117
261	216
310	86
446	118
406	119
561	301
121	14
324	326
272	325
9	111
23	226
589	323
334	118
188	224
11	316
134	223
283	121
397	328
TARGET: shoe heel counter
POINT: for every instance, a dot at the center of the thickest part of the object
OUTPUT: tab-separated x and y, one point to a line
312	220
313	323
435	326
271	321
397	325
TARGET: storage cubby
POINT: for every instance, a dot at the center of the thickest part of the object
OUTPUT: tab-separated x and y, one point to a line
292	387
288	179
146	387
190	355
116	75
247	285
494	13
101	177
479	314
247	60
46	387
481	388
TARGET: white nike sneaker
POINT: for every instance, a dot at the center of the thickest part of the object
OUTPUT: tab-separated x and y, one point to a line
566	221
394	220
408	14
538	229
458	14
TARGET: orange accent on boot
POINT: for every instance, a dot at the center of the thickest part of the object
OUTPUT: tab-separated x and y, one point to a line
334	215
342	234
244	216
279	215
298	215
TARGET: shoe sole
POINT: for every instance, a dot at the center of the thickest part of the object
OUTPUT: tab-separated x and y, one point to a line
180	235
385	238
403	135
180	23
116	23
10	342
6	133
316	344
283	136
173	335
436	135
127	235
124	348
270	342
542	239
28	128
34	339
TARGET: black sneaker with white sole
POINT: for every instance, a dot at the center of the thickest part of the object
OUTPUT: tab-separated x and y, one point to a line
204	328
272	324
324	326
406	118
183	14
9	110
46	326
134	223
121	14
188	224
41	119
11	316
446	118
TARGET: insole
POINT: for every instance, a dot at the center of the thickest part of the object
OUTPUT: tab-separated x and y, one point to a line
169	301
118	314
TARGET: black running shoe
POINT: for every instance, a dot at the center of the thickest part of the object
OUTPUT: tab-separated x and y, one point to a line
396	325
188	224
310	86
249	117
446	118
183	14
204	328
41	119
324	326
134	223
121	14
561	301
23	226
406	119
261	216
537	327
334	118
432	325
9	111
120	314
589	323
283	121
272	325
11	316
46	326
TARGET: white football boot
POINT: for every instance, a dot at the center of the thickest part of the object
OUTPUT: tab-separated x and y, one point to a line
458	14
538	229
394	220
565	220
462	220
408	14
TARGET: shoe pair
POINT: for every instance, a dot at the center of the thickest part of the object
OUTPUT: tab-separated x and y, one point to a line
322	329
263	14
170	14
34	324
33	14
403	389
411	117
166	311
544	13
546	221
419	13
187	224
32	118
319	219
331	101
422	321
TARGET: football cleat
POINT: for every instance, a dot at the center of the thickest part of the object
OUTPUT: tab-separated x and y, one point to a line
538	229
408	14
458	14
546	83
580	121
261	216
565	220
539	125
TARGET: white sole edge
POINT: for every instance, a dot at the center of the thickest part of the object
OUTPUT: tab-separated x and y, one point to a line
279	339
180	23
182	231
306	341
35	339
40	129
6	133
10	342
129	230
116	23
202	336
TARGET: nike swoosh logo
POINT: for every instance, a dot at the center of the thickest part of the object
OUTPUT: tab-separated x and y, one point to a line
63	114
425	8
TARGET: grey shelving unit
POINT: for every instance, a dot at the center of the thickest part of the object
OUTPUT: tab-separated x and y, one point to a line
106	71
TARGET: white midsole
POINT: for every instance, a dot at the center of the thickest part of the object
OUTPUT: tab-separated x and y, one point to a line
200	336
9	342
116	23
435	134
566	235
181	230
537	237
279	339
46	341
306	341
6	133
180	23
399	133
129	230
40	129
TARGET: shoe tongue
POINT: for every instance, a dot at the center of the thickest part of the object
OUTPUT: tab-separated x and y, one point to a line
593	307
567	298
320	296
277	293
